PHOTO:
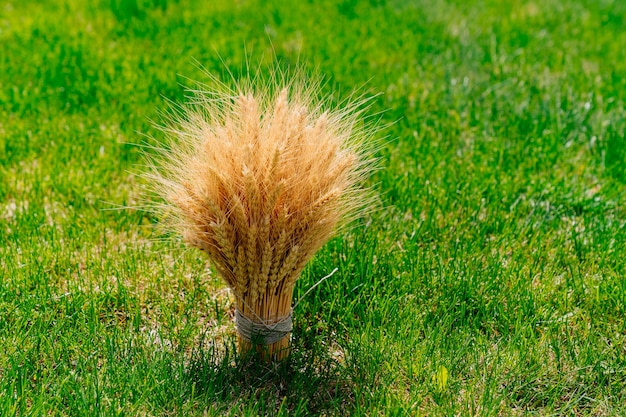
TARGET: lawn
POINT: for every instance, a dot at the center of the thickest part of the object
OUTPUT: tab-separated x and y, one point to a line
490	281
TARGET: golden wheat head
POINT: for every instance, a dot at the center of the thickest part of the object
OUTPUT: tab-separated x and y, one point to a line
259	176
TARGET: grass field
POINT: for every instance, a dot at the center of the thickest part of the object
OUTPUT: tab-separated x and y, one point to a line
492	282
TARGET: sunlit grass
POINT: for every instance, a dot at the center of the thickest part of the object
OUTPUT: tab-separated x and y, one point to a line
492	282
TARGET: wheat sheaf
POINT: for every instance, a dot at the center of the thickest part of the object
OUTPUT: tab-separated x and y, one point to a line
259	175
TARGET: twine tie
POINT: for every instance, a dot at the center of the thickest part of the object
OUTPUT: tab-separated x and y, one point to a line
263	333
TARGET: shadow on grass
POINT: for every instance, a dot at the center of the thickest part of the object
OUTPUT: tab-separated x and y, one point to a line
310	381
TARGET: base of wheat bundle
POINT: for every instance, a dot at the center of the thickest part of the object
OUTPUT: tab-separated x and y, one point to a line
260	176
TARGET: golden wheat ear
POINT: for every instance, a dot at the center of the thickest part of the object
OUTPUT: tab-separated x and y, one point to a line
259	177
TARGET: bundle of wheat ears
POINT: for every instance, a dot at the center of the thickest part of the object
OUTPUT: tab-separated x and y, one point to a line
259	176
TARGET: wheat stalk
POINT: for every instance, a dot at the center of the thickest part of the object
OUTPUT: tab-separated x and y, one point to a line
259	176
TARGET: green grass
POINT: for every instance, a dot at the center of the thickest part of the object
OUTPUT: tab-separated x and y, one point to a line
491	283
